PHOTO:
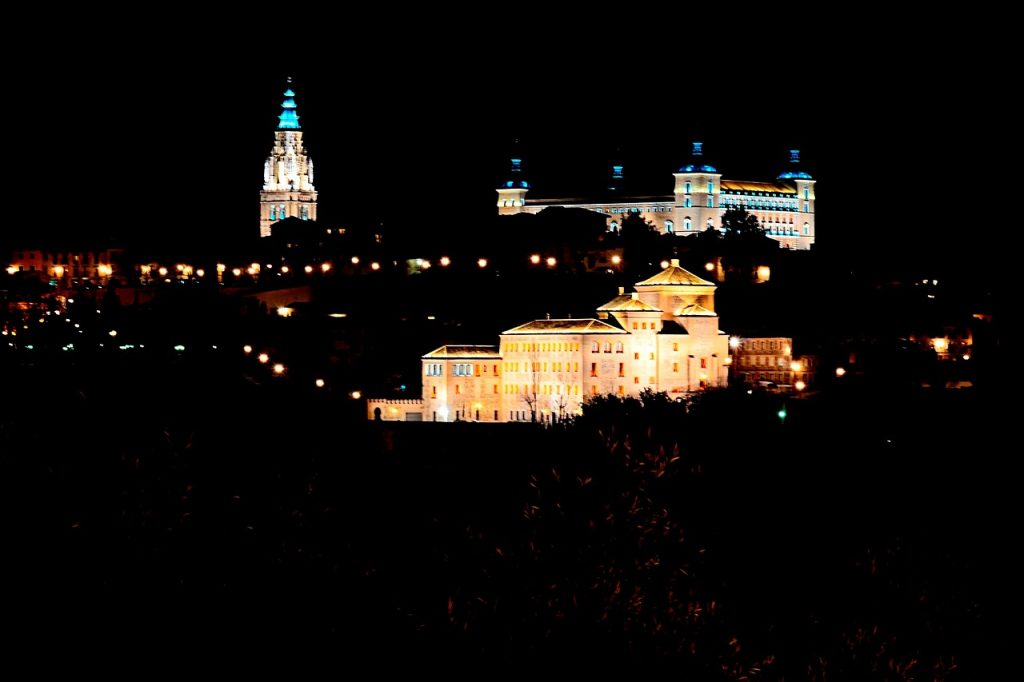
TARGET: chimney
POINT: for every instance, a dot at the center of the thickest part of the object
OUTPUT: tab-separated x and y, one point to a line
622	290
674	262
547	316
635	296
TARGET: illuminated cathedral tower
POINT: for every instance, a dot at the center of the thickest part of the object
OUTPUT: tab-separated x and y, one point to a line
288	190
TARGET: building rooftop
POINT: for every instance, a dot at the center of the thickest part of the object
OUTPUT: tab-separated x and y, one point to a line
452	352
628	302
674	274
763	187
570	326
697	310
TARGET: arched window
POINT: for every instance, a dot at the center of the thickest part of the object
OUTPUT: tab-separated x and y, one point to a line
687	224
711	201
669	227
711	223
273	212
687	187
688	202
304	212
614	226
618	346
807	229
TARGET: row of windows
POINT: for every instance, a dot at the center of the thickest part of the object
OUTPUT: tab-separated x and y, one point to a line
551	347
689	186
636	209
278	212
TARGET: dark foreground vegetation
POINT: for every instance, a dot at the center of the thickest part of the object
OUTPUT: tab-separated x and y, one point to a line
866	536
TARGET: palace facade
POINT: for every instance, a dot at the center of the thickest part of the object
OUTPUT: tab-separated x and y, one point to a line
664	337
784	206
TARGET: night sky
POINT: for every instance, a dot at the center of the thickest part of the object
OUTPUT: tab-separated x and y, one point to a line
173	152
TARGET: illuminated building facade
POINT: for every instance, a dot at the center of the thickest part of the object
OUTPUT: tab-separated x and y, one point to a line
769	361
288	190
784	207
65	266
664	336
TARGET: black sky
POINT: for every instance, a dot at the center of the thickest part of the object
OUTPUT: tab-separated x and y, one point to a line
167	140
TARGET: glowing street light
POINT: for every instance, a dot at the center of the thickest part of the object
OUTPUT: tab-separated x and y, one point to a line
551	261
425	265
247	349
356	395
278	369
375	266
285	269
320	383
113	332
445	261
308	269
535	258
616	259
840	371
263	358
709	266
237	272
734	342
795	366
11	270
664	264
285	311
799	385
481	263
355	260
200	273
58	271
325	267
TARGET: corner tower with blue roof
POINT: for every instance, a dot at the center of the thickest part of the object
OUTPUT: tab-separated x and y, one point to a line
288	190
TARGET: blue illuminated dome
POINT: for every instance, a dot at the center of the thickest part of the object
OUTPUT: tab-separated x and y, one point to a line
289	118
697	163
794	173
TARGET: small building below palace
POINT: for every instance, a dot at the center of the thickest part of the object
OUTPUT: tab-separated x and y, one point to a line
664	336
768	362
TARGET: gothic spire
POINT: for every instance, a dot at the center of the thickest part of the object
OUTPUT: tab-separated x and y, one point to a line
289	116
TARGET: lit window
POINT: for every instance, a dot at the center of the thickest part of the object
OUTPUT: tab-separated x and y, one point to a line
595	347
636	380
703	363
688	203
675	347
636	325
807	229
711	201
669	227
687	187
675	367
636	356
652	355
687	224
618	347
593	369
622	369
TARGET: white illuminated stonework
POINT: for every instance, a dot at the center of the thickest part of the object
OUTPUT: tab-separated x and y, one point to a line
784	207
288	190
663	337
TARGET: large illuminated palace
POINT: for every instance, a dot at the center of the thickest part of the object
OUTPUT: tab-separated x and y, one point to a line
784	207
288	190
664	336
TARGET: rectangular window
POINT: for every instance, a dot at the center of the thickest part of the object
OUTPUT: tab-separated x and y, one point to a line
622	369
652	355
595	347
593	389
636	380
622	390
675	367
458	389
477	370
495	370
636	325
703	363
575	366
636	356
675	347
433	391
593	369
495	390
